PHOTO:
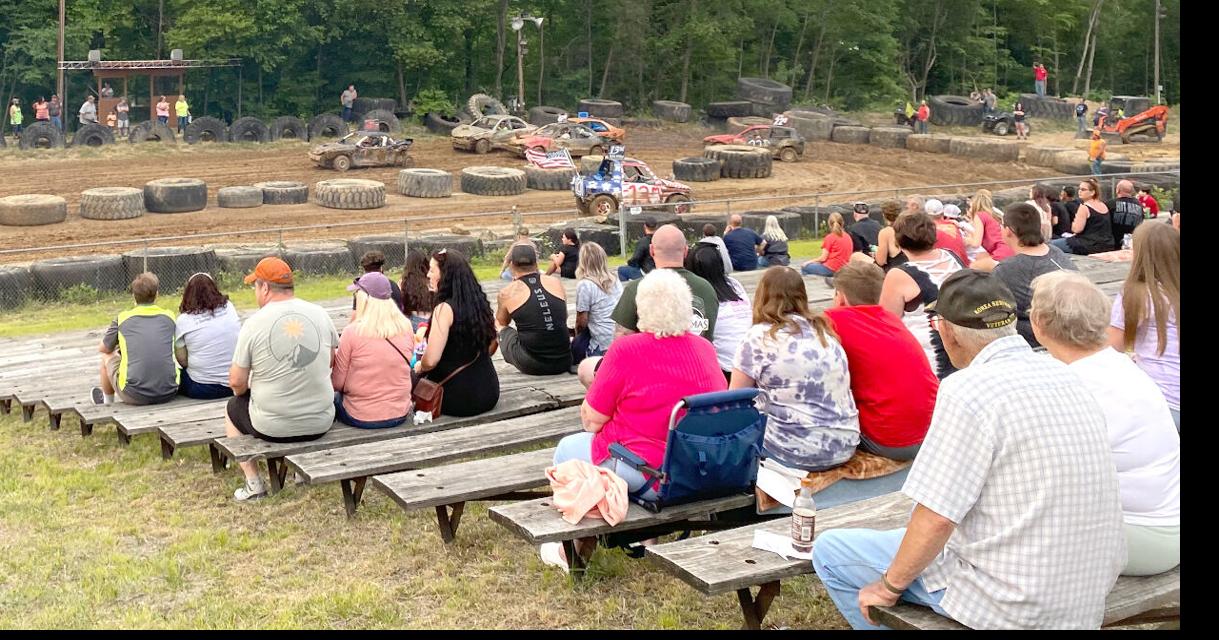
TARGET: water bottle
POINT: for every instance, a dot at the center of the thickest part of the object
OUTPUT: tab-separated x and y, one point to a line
1127	241
804	518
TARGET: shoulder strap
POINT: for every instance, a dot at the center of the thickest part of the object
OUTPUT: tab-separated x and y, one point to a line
391	343
459	370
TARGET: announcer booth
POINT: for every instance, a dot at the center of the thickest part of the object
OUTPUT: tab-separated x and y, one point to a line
118	73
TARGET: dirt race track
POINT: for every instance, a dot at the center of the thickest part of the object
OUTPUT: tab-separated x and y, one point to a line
825	167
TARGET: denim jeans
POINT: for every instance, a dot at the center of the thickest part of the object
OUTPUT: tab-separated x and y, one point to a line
579	446
626	273
17	129
341	415
922	126
181	124
347	114
1096	166
163	120
1083	124
1039	87
201	391
816	269
1061	243
847	560
58	122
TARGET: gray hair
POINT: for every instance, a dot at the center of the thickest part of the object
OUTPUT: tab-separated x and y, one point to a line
1069	309
977	339
665	304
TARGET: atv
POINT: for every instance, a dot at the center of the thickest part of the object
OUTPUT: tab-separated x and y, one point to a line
1002	123
621	181
363	149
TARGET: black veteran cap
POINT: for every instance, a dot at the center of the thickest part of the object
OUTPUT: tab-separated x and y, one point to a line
976	300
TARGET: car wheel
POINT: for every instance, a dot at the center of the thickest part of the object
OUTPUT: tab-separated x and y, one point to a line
681	203
341	163
406	162
482	146
596	151
1001	129
788	155
603	206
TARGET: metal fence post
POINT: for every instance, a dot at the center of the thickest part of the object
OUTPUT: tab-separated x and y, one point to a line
145	269
816	215
281	238
406	233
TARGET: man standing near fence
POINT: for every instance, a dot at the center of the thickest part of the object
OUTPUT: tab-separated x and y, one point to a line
1039	77
348	99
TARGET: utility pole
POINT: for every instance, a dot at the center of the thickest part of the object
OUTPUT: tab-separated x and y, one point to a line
1157	55
59	52
520	71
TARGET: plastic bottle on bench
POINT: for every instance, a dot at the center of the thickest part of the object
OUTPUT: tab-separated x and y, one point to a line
804	518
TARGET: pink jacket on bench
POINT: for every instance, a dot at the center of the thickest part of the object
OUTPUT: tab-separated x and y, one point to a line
582	489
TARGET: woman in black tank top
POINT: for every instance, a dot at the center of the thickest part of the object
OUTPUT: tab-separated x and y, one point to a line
539	345
469	338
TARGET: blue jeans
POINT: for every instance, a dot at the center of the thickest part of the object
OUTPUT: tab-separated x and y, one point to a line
55	120
922	126
199	390
1039	87
1061	243
181	124
341	415
626	273
1083	124
1096	166
163	119
579	446
816	269
847	560
346	114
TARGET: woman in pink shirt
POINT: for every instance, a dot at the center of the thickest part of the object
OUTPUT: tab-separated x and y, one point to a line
163	111
640	379
372	373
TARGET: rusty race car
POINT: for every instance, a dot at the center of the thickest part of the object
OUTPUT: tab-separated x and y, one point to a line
363	149
785	143
602	128
489	132
578	139
626	182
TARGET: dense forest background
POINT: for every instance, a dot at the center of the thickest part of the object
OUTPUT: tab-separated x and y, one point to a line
299	54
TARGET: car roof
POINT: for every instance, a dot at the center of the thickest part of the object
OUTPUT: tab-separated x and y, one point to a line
376	134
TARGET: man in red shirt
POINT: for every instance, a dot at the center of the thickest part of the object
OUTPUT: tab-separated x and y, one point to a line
923	115
947	234
1039	77
1151	208
891	379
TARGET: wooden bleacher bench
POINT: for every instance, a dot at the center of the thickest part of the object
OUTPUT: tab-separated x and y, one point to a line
352	466
726	561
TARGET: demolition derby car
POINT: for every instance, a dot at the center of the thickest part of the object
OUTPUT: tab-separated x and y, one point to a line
626	182
363	149
489	132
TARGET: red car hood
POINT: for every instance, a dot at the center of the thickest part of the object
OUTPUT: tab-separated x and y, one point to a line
726	138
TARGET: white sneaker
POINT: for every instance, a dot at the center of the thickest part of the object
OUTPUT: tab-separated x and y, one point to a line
552	554
252	490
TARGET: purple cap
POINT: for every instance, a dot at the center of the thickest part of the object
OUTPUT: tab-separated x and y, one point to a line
374	283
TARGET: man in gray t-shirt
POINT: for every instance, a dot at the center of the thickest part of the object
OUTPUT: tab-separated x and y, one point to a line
1022	232
281	369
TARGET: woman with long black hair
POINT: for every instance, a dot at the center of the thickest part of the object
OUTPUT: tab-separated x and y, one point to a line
417	299
735	315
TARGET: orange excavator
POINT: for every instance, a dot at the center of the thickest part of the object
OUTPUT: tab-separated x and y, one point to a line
1151	122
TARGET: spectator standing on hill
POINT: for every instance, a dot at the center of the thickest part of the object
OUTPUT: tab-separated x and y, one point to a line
710	237
640	262
183	111
372	367
138	351
1096	151
348	99
88	111
55	110
1081	118
1040	75
1034	257
536	304
1125	211
743	244
123	110
41	112
163	111
1018	115
14	116
989	100
924	114
205	339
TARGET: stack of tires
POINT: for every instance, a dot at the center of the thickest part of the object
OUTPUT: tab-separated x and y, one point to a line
947	110
671	111
766	97
362	105
1048	107
741	161
599	108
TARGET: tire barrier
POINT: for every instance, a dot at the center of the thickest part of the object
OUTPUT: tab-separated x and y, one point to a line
790	222
469	246
32	210
151	131
93	135
112	203
1048	107
206	129
249	129
770	95
361	106
729	109
241	259
481	104
493	181
389	245
15	286
386	121
325	257
598	108
288	128
985	149
40	135
173	265
954	110
603	234
671	110
741	161
101	273
175	195
425	183
283	192
1042	155
548	179
889	137
928	143
692	224
349	193
243	197
542	115
851	134
812	125
696	169
441	125
326	125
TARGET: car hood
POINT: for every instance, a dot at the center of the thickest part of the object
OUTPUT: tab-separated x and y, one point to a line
469	131
673	184
726	138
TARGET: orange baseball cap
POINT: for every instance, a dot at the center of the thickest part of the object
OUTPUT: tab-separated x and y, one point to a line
271	269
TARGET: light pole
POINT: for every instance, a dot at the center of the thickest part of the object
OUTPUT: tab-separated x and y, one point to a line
518	23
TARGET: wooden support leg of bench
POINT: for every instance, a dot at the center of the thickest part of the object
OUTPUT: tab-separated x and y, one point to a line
754	609
219	461
167	449
124	439
54	418
448	520
278	470
27	412
86	429
353	490
577	564
6	406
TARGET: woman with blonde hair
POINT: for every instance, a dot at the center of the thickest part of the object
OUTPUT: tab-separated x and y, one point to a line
836	248
986	233
774	245
793	357
597	293
1146	314
888	254
372	372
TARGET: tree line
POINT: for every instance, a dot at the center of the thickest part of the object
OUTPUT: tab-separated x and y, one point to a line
300	54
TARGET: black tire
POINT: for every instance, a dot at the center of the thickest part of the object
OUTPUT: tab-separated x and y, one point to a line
493	181
151	131
542	115
696	169
988	149
789	221
954	110
249	129
481	104
32	210
41	135
206	129
469	246
811	124
93	135
548	179
283	192
16	283
243	197
173	265
671	110
386	121
288	127
599	108
764	110
389	245
175	195
425	183
889	137
327	257
603	234
241	259
1042	155
112	203
361	106
349	193
764	91
741	161
442	125
851	135
928	143
326	125
103	273
729	109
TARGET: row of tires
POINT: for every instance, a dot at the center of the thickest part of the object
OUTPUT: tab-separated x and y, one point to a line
948	110
42	135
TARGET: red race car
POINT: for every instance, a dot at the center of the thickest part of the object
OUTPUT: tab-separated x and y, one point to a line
578	139
785	143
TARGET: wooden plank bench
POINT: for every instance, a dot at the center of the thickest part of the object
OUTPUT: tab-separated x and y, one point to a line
448	488
351	466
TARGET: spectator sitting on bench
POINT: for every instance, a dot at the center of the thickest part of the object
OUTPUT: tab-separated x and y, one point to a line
743	244
461	335
710	237
1070	316
205	338
640	263
1018	522
374	261
643	375
1034	257
792	355
417	300
138	351
567	258
774	245
281	369
734	315
537	304
522	238
597	293
893	418
372	368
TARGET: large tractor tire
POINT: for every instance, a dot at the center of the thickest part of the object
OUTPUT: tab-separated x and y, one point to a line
481	104
812	125
468	246
439	124
386	121
741	161
696	169
326	125
349	193
764	91
206	129
548	179
283	192
988	149
324	257
954	110
243	197
175	195
288	128
729	109
851	134
32	210
1042	155
671	110
928	143
41	135
889	137
112	203
249	129
152	131
599	108
242	258
493	181
425	183
102	273
93	135
173	265
543	115
361	106
16	284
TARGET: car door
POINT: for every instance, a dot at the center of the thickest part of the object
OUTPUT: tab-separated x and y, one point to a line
373	156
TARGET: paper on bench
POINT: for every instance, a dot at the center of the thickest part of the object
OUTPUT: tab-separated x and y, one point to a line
775	543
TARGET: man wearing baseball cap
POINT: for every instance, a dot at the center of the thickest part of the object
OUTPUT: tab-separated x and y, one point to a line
1017	522
865	232
947	235
281	369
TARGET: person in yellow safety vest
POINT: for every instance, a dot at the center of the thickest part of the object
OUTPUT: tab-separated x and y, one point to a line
183	111
14	116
